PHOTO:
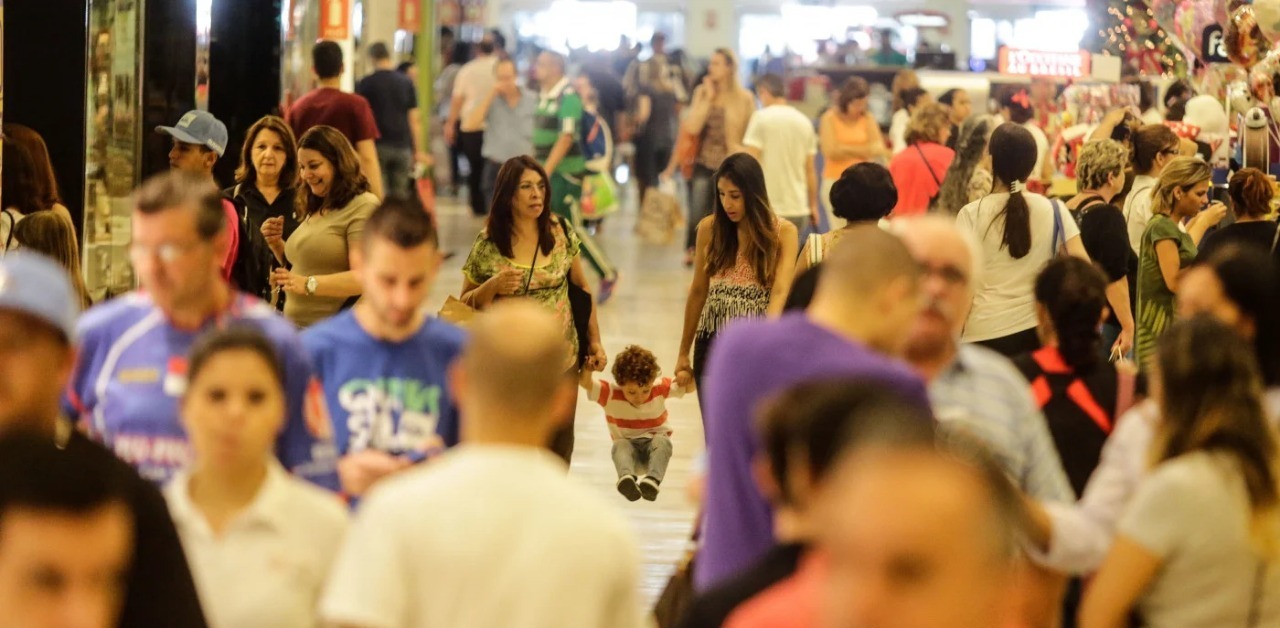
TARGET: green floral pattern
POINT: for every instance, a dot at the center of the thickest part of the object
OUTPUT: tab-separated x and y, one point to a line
549	283
1155	299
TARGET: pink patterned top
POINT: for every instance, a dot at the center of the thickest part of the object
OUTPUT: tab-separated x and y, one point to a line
734	293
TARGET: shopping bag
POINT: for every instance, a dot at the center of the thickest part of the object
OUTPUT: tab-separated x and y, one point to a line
599	196
456	312
660	216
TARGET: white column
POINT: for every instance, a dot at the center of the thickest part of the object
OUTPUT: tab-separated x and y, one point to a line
710	24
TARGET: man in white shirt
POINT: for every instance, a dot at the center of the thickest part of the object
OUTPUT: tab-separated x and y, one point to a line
472	85
783	140
492	534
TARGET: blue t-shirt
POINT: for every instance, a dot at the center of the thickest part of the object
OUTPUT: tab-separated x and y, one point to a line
132	372
389	396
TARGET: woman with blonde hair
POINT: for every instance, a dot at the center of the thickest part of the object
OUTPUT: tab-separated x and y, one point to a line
1198	544
718	117
1167	250
332	206
51	233
918	171
847	135
1100	177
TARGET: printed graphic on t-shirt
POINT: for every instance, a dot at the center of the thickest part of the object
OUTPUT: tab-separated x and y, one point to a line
390	414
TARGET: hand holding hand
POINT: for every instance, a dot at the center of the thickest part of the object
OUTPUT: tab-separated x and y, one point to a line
596	358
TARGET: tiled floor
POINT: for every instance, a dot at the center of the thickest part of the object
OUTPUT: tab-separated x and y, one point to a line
648	310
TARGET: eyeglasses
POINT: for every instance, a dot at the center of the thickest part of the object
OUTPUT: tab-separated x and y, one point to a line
167	252
946	272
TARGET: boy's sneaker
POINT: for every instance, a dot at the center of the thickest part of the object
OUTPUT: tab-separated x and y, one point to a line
628	487
649	488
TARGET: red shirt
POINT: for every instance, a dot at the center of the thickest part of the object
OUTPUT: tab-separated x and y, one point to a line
792	603
911	174
349	113
233	238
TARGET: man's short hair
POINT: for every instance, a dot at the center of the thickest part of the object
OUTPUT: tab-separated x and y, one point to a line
37	474
176	189
824	418
864	262
772	83
378	52
556	58
401	224
326	59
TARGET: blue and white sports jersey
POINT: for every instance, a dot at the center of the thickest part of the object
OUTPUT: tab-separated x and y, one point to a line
132	372
390	396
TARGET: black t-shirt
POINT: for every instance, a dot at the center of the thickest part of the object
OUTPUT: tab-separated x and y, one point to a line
660	129
1257	234
1106	238
391	95
254	260
711	608
161	591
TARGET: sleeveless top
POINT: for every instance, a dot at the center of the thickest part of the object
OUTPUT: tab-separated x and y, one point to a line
734	293
715	141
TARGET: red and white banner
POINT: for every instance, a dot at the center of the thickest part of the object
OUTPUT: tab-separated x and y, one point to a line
1074	65
335	19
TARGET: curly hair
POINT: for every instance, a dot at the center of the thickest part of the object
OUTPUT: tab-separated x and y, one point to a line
348	181
1099	160
928	123
635	365
1251	193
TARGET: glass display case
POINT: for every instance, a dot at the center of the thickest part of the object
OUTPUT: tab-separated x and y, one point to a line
113	154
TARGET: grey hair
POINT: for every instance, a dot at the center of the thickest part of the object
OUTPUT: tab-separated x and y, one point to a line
970	148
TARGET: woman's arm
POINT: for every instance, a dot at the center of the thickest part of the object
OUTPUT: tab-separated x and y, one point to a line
698	111
830	146
479	296
1170	265
1127	571
697	293
802	263
786	268
343	284
875	148
478	116
1203	221
644	107
1075	246
1118	299
735	127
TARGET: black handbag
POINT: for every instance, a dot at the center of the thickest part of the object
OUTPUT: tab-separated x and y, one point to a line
581	304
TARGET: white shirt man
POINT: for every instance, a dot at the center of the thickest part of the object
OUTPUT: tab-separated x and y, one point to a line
784	142
492	534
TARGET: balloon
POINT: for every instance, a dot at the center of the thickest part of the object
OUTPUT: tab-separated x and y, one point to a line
1184	21
1262	77
1267	13
1244	40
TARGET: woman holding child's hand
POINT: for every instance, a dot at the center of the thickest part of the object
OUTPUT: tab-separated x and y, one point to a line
526	251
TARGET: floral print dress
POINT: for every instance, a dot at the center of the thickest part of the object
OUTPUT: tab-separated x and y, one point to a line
548	283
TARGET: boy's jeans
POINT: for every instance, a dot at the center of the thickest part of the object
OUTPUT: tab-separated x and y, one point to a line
626	453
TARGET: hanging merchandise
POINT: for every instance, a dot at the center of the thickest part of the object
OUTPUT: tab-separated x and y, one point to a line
1187	21
1244	40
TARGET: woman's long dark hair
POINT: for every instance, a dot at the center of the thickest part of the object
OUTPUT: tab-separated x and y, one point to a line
1251	280
39	152
20	186
348	181
1211	400
1075	293
762	250
501	223
247	174
1013	157
970	148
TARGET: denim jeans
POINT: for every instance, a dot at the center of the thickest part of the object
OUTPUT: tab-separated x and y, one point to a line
490	181
701	202
627	454
397	165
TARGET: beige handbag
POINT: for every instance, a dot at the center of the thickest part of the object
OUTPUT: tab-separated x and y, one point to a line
456	312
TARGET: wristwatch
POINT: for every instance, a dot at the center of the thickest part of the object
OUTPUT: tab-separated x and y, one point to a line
311	286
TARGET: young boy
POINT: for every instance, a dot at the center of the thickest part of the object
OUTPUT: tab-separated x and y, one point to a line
636	409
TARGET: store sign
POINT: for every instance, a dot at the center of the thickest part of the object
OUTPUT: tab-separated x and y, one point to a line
923	19
409	15
335	19
1214	46
1041	63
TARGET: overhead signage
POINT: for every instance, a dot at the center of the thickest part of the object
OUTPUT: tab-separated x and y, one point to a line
1073	65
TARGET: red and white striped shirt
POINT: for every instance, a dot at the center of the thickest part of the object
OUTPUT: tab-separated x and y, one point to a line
630	421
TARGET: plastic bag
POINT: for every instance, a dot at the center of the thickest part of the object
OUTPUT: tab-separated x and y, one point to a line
660	216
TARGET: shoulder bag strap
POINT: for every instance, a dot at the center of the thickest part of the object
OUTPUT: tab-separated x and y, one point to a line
529	277
1275	239
1057	227
815	249
929	167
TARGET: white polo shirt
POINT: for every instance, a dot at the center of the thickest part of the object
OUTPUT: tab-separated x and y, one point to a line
486	536
268	567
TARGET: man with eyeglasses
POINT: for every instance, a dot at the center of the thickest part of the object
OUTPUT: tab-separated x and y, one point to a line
131	371
970	387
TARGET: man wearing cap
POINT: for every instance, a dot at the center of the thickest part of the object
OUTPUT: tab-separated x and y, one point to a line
199	139
37	351
131	370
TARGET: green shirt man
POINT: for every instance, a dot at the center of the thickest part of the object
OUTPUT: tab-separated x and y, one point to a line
559	113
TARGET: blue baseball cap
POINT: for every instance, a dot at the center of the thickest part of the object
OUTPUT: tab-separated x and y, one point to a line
37	286
201	128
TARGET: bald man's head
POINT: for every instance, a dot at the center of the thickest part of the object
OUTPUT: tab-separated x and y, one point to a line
869	285
515	358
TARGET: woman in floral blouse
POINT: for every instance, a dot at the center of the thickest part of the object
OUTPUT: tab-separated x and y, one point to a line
526	251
